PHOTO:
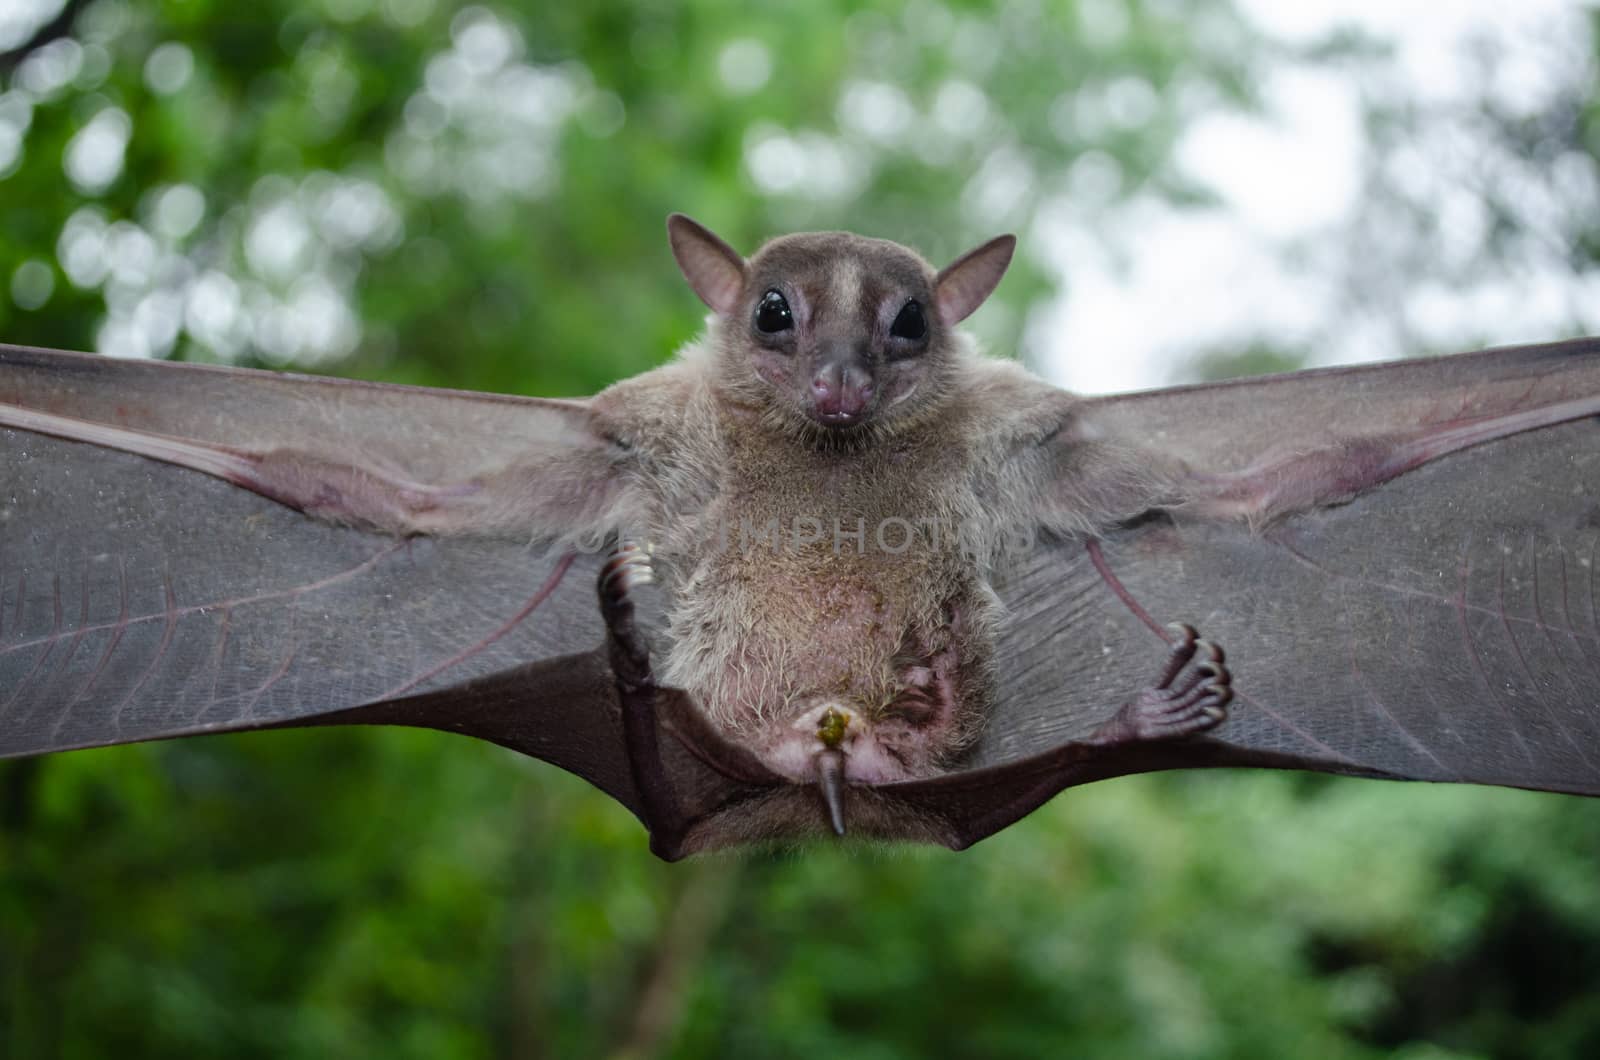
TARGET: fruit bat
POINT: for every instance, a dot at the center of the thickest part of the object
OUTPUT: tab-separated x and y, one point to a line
828	569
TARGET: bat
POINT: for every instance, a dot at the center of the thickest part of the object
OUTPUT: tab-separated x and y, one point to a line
830	569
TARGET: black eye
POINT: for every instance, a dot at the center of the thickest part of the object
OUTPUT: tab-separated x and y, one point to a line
772	314
909	324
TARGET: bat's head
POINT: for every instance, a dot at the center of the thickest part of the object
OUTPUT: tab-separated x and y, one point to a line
836	333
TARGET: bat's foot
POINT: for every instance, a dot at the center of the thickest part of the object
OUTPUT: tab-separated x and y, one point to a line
1190	695
627	568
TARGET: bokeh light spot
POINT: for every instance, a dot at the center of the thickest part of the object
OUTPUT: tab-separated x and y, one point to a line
32	284
169	68
94	156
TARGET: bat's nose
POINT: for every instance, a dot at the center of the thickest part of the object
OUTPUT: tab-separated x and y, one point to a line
841	394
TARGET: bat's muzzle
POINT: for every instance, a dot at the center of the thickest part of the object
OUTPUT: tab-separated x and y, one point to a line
842	393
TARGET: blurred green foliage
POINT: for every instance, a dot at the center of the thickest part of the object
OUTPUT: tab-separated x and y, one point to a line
423	192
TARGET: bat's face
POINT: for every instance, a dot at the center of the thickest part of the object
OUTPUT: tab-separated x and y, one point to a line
841	330
836	334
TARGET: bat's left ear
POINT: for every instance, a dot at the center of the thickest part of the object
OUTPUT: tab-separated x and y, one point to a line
963	284
714	269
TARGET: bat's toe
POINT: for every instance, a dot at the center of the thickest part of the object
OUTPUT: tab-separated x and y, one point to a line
1191	693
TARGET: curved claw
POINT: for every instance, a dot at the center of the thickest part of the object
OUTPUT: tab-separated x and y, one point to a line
1182	650
830	781
627	569
1182	633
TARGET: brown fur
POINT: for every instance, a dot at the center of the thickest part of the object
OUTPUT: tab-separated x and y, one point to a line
723	449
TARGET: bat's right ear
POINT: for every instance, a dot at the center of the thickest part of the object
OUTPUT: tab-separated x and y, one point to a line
714	269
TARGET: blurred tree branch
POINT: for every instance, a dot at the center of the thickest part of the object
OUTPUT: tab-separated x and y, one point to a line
698	908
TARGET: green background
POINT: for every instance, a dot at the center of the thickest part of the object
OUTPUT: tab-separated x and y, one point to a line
474	197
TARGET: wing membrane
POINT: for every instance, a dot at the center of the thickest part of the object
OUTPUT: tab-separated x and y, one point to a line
139	599
1444	625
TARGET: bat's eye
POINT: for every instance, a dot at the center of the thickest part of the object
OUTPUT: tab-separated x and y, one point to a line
909	324
772	314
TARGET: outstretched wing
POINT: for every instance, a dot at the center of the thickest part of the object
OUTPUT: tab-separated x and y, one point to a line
141	598
1432	619
1399	559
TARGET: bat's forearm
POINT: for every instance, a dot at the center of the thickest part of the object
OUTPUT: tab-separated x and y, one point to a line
1338	472
564	495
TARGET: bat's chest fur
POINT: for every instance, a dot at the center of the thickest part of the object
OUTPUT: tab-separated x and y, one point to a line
835	581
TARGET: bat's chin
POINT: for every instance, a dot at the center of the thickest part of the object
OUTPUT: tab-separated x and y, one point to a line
839	422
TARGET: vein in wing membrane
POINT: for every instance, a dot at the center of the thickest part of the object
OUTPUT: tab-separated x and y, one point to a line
1444	626
144	600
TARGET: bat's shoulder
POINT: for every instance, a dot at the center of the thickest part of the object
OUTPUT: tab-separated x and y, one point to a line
1010	405
654	407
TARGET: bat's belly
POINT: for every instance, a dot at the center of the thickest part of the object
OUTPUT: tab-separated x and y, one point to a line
790	654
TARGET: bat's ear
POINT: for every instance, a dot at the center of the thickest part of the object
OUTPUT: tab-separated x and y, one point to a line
714	269
963	284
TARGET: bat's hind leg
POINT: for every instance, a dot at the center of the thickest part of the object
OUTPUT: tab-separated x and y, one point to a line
677	792
627	569
1190	695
